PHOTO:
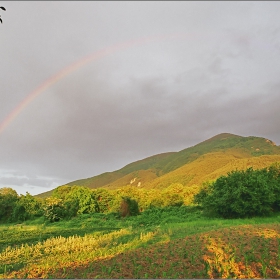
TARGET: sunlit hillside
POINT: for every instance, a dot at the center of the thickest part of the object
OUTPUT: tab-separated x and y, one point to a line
205	161
151	163
209	167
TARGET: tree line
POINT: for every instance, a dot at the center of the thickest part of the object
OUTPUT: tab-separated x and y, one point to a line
239	194
70	201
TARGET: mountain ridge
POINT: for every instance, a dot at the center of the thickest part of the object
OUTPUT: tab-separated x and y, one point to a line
220	150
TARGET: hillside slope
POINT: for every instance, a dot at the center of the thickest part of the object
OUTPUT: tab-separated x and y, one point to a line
162	164
150	163
205	161
210	167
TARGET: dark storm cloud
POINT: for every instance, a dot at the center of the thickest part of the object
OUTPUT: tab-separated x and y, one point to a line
221	75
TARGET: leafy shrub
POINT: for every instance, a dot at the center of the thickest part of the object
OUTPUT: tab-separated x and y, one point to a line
54	209
157	202
26	207
80	200
173	195
104	200
129	207
62	191
202	194
243	193
173	199
8	200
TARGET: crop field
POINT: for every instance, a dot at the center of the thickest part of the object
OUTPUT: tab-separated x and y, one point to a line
169	244
239	252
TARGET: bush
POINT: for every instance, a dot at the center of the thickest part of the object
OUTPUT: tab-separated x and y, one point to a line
243	193
27	207
62	191
80	200
202	194
104	200
8	201
54	209
129	207
173	199
173	195
157	202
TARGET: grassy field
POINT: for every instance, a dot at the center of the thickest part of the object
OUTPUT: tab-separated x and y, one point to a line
175	242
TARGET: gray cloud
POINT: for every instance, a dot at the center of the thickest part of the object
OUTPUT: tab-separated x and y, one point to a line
164	95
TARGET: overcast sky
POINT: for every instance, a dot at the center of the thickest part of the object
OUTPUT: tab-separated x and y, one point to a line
206	68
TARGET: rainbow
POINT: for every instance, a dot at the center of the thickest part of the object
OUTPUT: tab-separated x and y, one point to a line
76	65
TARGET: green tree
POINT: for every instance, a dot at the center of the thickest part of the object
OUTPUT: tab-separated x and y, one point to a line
242	194
80	200
54	209
139	194
27	207
8	200
61	192
274	172
172	196
156	202
202	194
104	200
129	207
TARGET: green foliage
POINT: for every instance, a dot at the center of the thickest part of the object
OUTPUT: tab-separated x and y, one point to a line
80	200
26	207
274	173
173	195
243	193
173	199
129	207
8	200
41	250
201	196
62	191
75	200
157	202
54	209
104	200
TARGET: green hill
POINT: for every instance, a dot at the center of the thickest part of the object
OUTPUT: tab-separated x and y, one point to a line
205	161
210	167
150	163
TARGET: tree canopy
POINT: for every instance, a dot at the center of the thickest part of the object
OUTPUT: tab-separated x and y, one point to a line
243	193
